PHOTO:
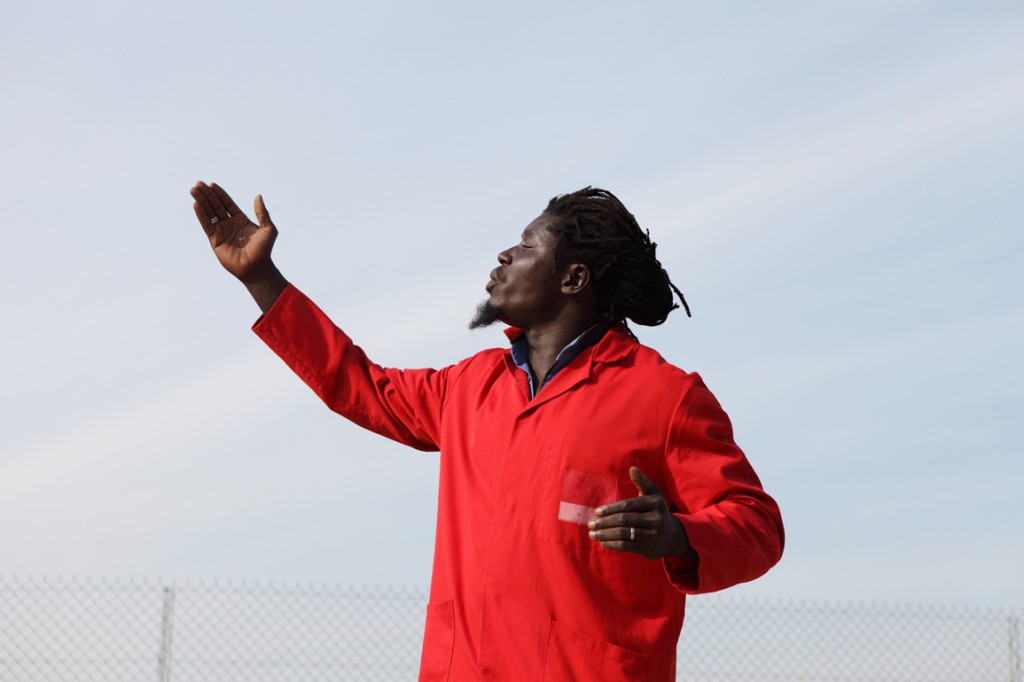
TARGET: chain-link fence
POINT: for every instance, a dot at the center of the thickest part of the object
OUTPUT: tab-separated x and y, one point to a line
105	630
727	638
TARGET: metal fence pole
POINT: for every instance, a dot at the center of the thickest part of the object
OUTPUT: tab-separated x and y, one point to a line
1014	634
166	626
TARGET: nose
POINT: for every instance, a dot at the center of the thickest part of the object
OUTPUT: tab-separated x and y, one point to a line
505	257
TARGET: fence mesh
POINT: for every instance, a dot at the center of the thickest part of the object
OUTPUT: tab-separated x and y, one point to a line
107	629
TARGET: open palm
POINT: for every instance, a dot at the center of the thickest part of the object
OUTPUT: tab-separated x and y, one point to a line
240	245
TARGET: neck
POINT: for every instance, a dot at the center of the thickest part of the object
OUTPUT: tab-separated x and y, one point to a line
545	342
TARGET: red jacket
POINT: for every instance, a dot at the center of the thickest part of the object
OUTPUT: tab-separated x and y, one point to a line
519	591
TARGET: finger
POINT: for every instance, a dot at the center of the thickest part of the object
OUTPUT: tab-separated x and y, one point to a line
204	219
620	546
262	214
643	484
646	520
225	199
220	209
200	194
630	534
643	547
631	504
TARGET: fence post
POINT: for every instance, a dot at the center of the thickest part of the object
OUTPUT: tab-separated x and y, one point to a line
1013	622
166	625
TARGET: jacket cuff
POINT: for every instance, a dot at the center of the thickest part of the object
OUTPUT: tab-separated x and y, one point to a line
266	319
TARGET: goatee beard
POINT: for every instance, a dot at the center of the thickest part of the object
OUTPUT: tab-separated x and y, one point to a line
486	315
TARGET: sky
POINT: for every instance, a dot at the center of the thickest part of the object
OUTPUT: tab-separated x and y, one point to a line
835	186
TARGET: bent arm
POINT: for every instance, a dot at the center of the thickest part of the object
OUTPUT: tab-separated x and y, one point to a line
730	521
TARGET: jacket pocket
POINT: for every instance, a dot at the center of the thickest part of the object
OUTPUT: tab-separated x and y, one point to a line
576	657
438	642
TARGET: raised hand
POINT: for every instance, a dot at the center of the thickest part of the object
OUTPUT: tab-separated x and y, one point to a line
642	525
240	245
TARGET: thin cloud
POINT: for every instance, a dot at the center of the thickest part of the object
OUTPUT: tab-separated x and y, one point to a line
158	426
885	133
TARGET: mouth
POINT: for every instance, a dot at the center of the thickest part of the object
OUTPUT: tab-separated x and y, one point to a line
494	280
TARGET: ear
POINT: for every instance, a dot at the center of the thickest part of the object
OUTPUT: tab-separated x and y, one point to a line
575	278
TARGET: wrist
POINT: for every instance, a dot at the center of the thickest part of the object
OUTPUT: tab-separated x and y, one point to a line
260	273
682	551
265	284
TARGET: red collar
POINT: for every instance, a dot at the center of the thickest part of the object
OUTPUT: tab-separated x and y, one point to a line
614	345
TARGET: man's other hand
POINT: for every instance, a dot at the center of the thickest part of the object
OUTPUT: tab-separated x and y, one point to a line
642	525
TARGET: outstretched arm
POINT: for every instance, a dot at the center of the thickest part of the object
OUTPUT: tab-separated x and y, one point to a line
242	246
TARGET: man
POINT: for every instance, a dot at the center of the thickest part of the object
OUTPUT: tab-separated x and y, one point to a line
586	485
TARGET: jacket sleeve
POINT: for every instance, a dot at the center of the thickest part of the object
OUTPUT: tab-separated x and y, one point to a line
404	405
734	526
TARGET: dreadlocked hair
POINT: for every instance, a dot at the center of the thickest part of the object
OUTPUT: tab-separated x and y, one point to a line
594	228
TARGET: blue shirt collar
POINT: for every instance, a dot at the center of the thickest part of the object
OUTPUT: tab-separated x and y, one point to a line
521	353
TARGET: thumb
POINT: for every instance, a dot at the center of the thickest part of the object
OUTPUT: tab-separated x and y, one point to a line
262	215
643	484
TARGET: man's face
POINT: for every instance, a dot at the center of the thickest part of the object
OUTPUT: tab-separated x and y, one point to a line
525	289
